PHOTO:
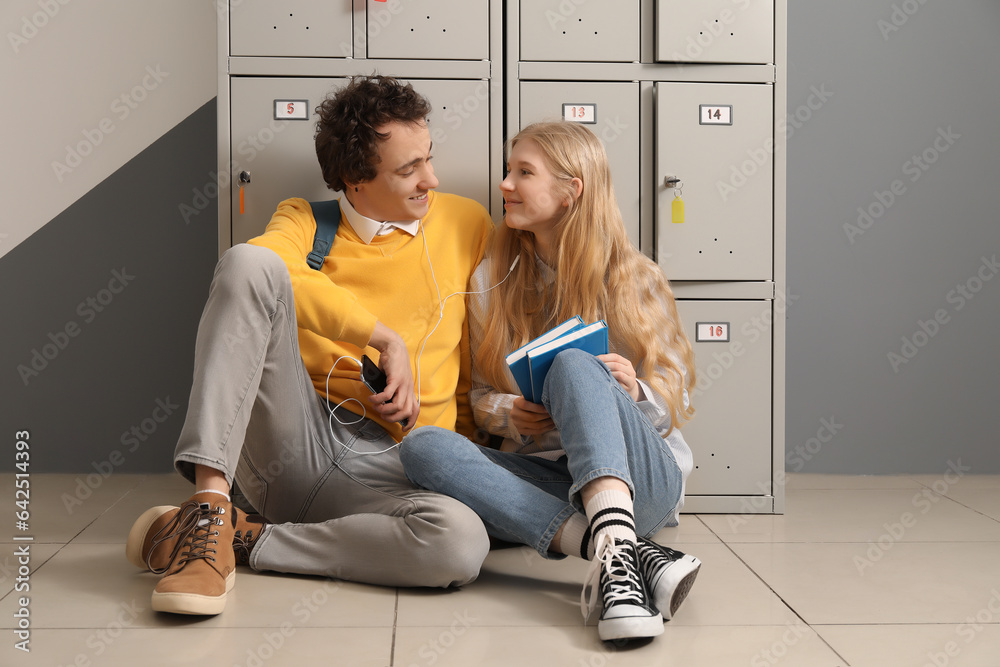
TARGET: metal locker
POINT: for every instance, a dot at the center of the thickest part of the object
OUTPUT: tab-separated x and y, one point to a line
291	28
611	110
730	433
279	154
718	140
429	29
715	31
571	30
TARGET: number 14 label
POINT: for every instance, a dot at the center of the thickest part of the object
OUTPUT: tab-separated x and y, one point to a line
715	114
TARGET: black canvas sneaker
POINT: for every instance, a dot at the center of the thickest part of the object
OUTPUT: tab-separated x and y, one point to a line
668	573
628	612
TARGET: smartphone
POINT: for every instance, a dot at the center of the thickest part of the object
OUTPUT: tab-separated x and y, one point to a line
374	379
372	375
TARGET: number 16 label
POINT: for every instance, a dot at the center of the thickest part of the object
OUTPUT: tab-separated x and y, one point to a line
715	114
711	332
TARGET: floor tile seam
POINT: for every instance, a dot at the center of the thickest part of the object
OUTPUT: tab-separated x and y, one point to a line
106	509
786	603
395	622
957	485
973	509
34	569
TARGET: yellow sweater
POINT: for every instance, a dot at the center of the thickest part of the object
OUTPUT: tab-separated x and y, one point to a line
387	281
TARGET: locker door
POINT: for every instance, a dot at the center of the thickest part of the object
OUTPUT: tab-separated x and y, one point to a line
718	139
715	31
291	28
614	110
280	154
730	434
560	30
429	29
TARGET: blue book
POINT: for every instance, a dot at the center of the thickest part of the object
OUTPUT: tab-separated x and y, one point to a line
517	360
592	338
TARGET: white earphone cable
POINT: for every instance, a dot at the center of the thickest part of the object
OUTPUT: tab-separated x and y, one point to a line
441	304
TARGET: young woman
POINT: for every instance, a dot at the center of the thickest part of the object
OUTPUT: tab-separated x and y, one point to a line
599	465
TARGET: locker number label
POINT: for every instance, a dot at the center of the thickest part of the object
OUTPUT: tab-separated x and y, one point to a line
715	114
580	113
291	110
712	332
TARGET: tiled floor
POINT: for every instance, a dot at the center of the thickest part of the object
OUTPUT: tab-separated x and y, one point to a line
862	571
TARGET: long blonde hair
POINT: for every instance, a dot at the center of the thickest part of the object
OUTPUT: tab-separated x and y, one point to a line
599	275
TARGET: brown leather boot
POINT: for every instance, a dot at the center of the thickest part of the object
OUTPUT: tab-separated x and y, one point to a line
154	535
203	569
153	540
248	530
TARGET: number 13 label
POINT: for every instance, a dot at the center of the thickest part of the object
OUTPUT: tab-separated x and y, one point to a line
715	114
580	113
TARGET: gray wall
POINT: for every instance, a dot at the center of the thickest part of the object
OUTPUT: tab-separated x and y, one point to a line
108	132
912	102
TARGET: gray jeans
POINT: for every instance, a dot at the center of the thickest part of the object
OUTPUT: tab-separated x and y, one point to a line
254	414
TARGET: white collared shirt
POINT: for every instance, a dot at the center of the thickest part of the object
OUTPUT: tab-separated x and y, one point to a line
368	229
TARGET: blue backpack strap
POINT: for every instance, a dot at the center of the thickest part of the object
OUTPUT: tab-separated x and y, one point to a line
327	214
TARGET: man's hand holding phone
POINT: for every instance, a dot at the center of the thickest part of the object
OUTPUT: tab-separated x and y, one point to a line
396	400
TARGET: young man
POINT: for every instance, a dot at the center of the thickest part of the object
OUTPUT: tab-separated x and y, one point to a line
277	404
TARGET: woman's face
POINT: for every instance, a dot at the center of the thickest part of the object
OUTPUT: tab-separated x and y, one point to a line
531	198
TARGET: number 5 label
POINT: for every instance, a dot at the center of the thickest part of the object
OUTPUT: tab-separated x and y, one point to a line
291	110
715	114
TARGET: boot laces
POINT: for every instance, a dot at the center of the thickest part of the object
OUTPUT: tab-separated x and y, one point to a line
243	544
193	527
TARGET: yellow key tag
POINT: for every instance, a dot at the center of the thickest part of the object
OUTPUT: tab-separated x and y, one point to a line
677	210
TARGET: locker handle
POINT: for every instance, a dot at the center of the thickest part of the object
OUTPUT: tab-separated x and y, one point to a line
244	179
670	181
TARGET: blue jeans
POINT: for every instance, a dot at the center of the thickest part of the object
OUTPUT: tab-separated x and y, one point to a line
526	499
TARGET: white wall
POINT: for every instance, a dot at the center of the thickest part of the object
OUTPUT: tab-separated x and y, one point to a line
88	84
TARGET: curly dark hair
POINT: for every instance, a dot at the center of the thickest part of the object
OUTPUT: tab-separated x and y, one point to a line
346	137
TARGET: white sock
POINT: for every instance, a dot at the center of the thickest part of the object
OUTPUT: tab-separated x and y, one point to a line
574	532
610	513
224	495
